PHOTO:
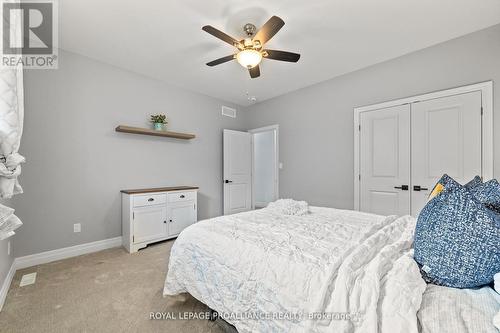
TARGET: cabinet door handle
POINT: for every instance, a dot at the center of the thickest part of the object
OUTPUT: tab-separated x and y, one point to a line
182	196
164	221
151	199
171	221
402	187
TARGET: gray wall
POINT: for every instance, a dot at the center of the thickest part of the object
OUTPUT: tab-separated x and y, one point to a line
5	259
77	164
316	123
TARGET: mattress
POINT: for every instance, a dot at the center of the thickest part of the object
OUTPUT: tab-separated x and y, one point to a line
330	270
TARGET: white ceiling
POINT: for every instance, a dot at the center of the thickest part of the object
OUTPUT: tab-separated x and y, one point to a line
164	40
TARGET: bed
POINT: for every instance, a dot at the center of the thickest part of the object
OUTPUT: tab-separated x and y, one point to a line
328	270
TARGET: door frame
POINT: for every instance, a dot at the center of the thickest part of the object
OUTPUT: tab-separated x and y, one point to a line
486	89
276	129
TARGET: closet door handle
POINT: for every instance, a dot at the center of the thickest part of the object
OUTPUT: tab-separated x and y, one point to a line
418	188
228	181
402	187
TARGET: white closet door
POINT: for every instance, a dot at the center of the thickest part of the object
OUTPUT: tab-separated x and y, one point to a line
446	138
385	161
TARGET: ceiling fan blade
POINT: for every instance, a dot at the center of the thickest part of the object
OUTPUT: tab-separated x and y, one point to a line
221	60
219	34
282	55
269	29
254	72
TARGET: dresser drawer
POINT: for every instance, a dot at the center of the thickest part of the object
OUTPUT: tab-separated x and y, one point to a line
149	200
181	196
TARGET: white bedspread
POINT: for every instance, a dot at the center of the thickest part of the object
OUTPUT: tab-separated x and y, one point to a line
353	269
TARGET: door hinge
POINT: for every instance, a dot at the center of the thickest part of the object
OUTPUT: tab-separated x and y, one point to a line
194	206
133	239
482	110
359	177
133	216
359	128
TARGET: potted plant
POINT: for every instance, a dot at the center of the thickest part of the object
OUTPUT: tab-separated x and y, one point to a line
159	121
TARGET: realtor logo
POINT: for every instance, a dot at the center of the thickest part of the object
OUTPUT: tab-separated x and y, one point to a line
29	34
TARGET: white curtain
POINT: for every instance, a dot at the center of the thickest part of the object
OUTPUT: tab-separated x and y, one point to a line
11	129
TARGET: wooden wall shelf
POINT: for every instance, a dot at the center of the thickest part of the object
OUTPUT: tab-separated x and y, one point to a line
146	131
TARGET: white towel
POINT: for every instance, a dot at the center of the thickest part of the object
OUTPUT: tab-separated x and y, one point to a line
5	213
289	207
8	222
9	171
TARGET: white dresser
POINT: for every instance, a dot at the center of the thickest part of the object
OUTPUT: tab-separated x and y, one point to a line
155	214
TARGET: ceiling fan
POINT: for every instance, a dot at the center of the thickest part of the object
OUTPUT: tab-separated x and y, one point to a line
251	49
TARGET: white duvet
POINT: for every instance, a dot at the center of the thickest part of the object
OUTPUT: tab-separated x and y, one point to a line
327	271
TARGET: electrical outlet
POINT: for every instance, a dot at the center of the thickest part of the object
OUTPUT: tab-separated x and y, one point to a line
8	248
77	227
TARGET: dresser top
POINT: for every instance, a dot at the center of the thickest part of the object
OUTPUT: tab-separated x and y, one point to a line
160	189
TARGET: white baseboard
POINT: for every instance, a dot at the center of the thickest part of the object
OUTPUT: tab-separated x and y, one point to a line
6	285
66	252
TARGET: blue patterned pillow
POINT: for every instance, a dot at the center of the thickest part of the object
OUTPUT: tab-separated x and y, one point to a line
457	239
477	181
446	182
488	194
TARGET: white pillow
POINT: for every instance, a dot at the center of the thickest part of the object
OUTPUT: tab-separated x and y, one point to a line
289	207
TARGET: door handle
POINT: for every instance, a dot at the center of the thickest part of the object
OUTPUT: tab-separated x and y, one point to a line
182	196
419	188
402	187
151	199
228	181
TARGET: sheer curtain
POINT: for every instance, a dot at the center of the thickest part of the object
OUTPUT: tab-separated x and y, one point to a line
11	129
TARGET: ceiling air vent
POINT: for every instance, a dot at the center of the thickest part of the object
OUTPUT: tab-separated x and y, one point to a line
228	112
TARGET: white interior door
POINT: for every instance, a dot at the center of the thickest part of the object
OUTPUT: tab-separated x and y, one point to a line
385	161
237	171
446	138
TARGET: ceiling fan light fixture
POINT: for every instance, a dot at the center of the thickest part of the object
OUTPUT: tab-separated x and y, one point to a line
250	50
249	58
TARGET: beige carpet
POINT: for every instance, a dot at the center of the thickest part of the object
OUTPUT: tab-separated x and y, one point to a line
107	291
